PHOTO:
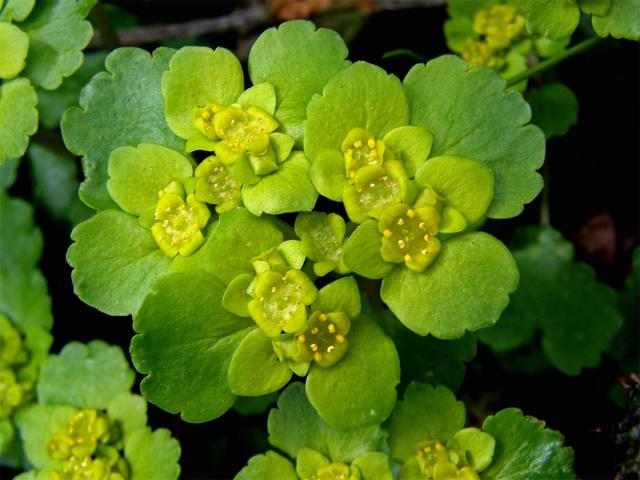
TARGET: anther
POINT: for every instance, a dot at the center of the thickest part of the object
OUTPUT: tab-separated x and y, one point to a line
313	347
401	243
206	115
427	237
322	317
387	233
340	338
301	338
330	348
373	153
411	213
407	258
317	356
357	143
421	225
273	289
315	330
400	221
332	328
371	143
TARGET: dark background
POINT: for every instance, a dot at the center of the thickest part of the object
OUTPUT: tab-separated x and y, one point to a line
593	202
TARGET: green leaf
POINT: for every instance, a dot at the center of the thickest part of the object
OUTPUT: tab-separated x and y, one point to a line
129	410
105	119
361	96
55	184
18	117
198	76
58	32
578	315
472	115
525	449
20	238
466	288
152	455
185	343
53	103
373	466
24	298
458	31
359	390
308	462
411	145
255	368
85	376
262	95
595	7
341	295
14	46
37	424
327	174
281	57
621	21
8	172
115	262
16	10
465	185
554	19
479	446
295	425
236	299
362	251
239	235
425	413
138	174
288	189
268	465
554	108
428	359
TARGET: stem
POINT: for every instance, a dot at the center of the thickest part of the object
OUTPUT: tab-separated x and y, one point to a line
404	52
545	215
550	62
108	33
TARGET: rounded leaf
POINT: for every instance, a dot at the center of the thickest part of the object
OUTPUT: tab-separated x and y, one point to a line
14	46
18	117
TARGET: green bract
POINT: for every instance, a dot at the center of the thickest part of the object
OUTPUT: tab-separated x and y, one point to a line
558	19
88	424
320	451
558	297
427	436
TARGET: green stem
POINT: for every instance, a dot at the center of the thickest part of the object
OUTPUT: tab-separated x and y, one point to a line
550	62
108	34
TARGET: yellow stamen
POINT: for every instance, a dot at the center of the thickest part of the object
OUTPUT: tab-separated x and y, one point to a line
317	356
373	153
322	317
332	328
315	330
427	237
206	115
371	143
301	338
407	258
387	233
340	338
401	243
313	347
411	213
357	143
400	221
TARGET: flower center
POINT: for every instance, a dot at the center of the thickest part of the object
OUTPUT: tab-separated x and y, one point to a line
324	340
438	462
408	235
217	185
361	149
335	471
179	223
499	26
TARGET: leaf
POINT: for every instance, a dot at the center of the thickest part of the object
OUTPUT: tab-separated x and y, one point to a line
185	343
138	174
85	376
8	172
55	184
152	455
130	411
472	115
58	32
53	103
255	369
240	236
16	10
106	120
18	117
554	108
24	298
480	447
361	96
362	251
37	424
428	359
287	190
341	295
281	57
14	46
411	145
466	288
115	262
373	466
554	19
425	413
198	76
295	425
578	315
236	299
621	21
525	449
359	390
20	238
268	465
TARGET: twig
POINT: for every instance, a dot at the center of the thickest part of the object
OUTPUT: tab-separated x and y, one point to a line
242	20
